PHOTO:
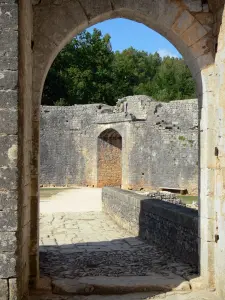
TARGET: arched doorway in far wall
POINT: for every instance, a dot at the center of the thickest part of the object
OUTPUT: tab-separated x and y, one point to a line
109	158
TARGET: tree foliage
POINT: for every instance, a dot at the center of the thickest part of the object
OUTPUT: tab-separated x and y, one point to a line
88	71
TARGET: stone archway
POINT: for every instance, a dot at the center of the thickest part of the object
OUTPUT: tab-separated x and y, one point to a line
109	159
188	27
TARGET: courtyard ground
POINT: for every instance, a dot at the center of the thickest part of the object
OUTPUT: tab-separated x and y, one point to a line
83	252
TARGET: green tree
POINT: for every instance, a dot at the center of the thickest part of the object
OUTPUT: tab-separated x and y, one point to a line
88	71
173	81
82	72
132	69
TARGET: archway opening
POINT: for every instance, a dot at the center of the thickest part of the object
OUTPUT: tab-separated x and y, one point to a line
109	168
112	146
97	137
185	42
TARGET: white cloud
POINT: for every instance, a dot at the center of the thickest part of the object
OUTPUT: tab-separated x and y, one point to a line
164	52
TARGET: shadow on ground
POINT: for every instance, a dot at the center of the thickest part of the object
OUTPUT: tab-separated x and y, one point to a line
87	253
118	266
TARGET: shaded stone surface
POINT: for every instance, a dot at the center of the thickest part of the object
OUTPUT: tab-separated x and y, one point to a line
137	296
106	285
169	226
91	244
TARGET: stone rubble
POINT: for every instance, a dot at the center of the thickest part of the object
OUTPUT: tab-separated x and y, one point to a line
168	197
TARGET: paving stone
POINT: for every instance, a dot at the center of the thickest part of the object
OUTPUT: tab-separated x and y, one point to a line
89	253
94	246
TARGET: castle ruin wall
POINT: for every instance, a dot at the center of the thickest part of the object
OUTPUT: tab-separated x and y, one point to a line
159	143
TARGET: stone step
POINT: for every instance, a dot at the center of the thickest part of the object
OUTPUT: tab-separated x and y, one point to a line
202	295
135	296
103	285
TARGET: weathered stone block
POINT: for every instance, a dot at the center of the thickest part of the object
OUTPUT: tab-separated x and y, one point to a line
13	289
205	8
194	5
148	6
8	99
7	241
9	44
163	11
194	33
9	63
71	15
9	178
8	80
169	11
8	15
4	293
8	200
8	150
184	21
8	220
2	2
94	9
203	47
7	265
9	120
205	18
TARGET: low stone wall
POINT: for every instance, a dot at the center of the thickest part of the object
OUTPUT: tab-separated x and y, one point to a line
167	225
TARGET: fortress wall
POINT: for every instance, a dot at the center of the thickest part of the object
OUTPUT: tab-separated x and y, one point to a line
159	143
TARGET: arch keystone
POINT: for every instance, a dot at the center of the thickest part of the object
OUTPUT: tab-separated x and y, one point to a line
194	33
183	22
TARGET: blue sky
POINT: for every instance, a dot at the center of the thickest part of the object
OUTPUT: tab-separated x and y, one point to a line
125	33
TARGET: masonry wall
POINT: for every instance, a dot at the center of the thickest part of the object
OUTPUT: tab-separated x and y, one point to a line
8	148
217	161
166	224
159	143
68	145
15	146
163	150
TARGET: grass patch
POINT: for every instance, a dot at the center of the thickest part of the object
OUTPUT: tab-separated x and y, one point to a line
181	138
188	199
49	192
